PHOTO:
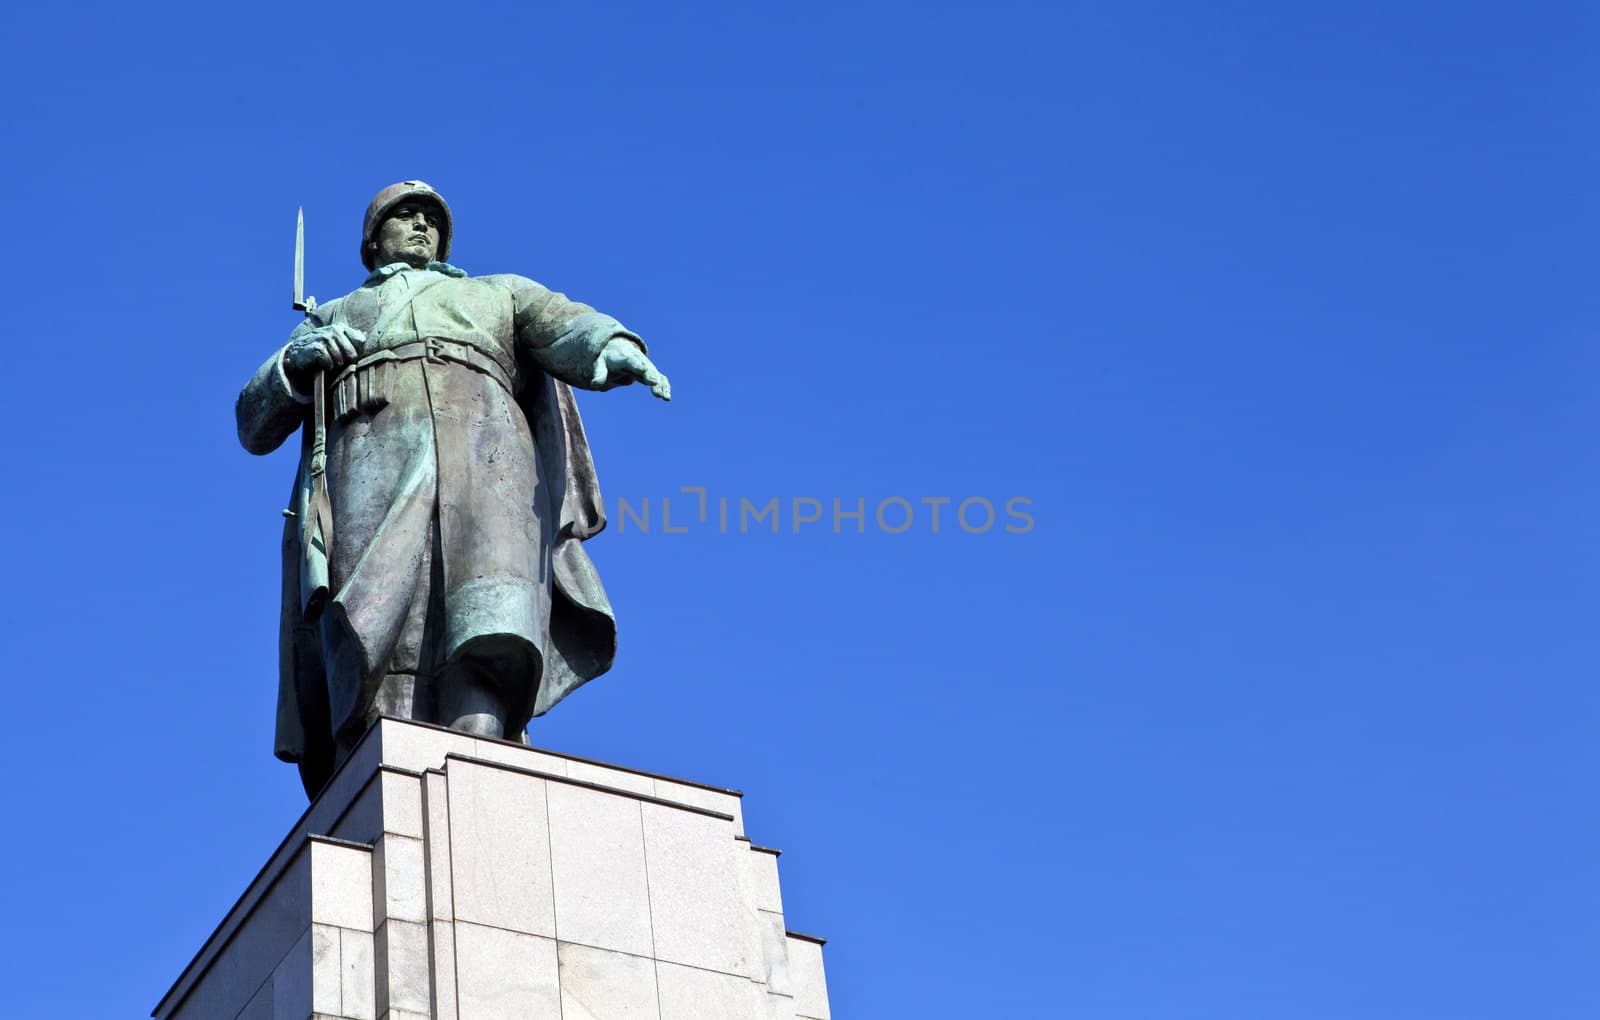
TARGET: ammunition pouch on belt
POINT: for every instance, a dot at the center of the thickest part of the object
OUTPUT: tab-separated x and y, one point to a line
365	387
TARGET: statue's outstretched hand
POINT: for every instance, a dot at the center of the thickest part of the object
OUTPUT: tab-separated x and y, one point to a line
324	349
622	362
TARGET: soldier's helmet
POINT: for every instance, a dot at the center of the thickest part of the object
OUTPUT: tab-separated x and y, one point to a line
392	196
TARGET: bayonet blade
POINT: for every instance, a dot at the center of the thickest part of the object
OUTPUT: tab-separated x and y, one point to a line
300	260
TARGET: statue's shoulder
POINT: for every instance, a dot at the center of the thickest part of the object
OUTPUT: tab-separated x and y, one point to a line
508	281
332	310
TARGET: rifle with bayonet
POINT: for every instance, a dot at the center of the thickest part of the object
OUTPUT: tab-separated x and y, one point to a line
319	525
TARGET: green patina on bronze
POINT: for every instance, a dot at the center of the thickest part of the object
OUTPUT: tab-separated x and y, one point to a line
435	568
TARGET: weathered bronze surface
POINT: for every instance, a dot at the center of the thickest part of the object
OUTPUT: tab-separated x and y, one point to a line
433	560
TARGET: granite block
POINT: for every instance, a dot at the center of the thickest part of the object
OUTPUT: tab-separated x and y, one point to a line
402	803
436	849
597	851
688	993
402	979
260	1005
779	1006
443	946
810	985
363	822
723	803
327	978
291	982
341	885
500	849
616	779
280	916
399	879
347	782
505	975
697	910
598	984
775	952
518	757
418	748
356	967
758	872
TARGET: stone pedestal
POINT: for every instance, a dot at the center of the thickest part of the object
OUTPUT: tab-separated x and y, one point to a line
440	875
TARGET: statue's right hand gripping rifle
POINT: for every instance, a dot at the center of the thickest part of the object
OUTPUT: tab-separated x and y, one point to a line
319	526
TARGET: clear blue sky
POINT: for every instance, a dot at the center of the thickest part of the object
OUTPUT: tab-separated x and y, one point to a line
1284	317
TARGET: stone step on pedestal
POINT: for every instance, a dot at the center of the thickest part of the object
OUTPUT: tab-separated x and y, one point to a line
445	876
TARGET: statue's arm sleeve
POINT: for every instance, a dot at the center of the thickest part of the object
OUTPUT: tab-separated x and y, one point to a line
269	409
562	336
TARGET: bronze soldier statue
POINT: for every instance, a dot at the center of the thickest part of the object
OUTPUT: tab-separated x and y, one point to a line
433	556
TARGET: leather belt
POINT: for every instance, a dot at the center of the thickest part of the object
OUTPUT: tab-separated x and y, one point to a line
438	351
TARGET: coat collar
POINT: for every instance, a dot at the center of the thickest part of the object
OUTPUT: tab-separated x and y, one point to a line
384	272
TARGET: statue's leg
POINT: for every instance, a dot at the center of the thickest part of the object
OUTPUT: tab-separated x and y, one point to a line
399	696
469	699
406	691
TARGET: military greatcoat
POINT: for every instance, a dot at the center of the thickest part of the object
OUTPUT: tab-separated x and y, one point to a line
461	489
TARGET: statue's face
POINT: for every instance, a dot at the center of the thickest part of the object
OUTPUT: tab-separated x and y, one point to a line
410	234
